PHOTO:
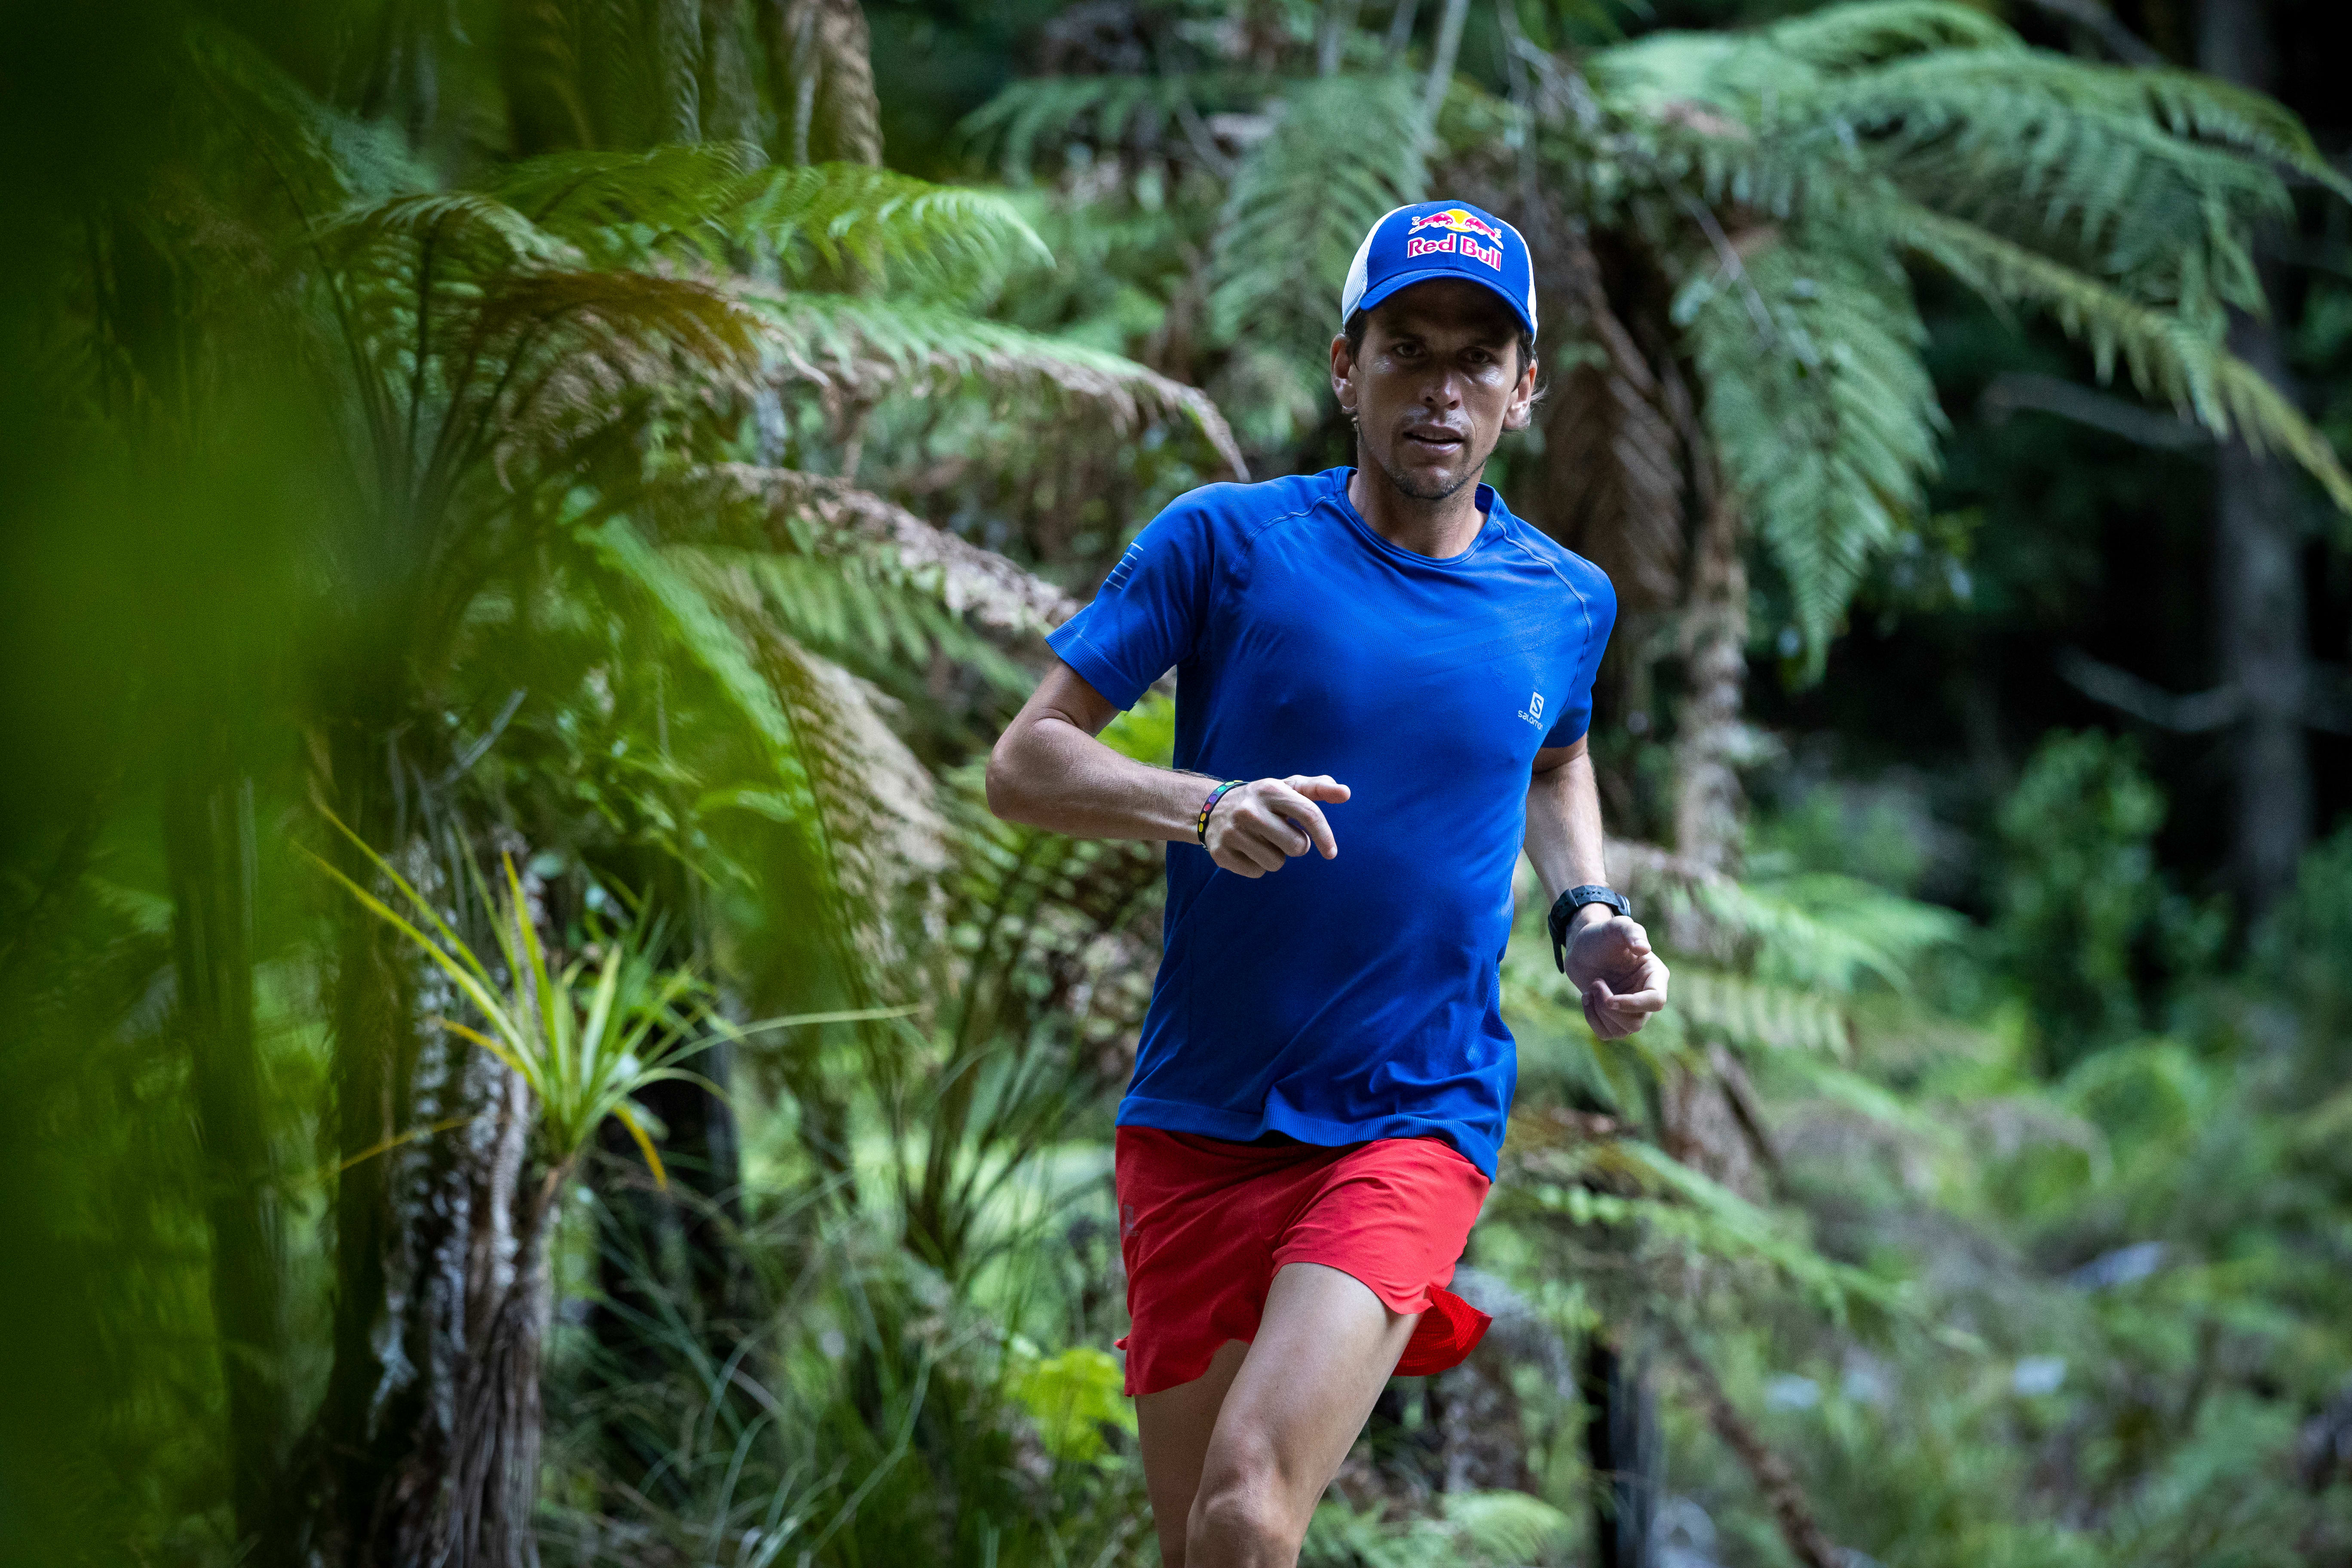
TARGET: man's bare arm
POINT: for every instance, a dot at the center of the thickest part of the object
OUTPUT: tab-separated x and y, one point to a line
1564	839
1049	771
1609	955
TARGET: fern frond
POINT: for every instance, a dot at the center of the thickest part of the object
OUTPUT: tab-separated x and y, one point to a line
1345	151
873	348
2072	159
313	158
470	232
1757	1014
1660	76
1827	428
964	577
1820	933
1842	38
835	771
1103	110
706	638
562	353
893	226
2167	359
626	204
882	833
1622	1182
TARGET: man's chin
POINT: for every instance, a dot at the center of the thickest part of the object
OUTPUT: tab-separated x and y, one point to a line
1427	484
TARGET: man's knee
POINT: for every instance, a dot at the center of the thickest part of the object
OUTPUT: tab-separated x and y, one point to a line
1243	1514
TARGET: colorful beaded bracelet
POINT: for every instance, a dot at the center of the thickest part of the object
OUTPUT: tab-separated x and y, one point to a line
1209	805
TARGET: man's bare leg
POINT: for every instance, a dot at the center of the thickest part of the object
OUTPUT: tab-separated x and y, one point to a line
1280	1418
1174	1426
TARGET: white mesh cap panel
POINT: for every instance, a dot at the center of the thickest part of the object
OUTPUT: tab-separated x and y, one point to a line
1534	322
1354	289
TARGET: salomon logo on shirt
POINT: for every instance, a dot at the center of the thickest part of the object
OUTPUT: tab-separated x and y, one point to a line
1533	711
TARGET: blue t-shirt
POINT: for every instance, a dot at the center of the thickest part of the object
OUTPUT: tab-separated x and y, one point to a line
1338	1001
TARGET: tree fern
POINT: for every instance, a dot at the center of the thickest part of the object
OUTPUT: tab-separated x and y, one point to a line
2122	201
1345	149
1821	413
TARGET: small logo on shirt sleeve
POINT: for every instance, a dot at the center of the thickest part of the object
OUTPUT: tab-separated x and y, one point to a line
1125	569
1533	711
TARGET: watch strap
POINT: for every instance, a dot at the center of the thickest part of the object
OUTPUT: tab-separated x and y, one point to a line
1564	908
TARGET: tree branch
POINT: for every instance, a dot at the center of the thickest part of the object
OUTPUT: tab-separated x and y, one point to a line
1791	1509
1441	64
2148	702
2100	23
2013	390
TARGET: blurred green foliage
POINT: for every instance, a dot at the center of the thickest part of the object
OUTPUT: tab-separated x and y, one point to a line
543	432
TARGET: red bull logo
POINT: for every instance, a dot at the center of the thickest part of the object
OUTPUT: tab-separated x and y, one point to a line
1463	228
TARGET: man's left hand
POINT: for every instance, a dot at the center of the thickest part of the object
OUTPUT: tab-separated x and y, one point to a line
1623	981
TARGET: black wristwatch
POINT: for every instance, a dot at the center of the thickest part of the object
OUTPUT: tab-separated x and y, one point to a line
1564	908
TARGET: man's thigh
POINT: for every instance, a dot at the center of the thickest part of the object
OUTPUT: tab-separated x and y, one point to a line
1173	1428
1325	1348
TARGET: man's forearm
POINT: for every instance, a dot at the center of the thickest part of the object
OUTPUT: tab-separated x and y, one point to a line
1050	774
1564	839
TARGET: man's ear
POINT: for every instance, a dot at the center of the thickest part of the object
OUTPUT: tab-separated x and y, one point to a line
1343	372
1523	401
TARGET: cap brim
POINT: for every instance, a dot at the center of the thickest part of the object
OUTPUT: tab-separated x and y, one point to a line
1390	285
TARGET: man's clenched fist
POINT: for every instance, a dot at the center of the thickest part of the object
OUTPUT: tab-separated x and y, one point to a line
1621	980
1258	825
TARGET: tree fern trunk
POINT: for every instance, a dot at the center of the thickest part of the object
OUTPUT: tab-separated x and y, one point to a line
431	1427
1622	1445
730	101
1715	643
477	1296
678	52
2258	576
823	80
208	840
373	1046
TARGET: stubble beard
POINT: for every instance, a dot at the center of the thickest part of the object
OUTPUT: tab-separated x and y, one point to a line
1427	493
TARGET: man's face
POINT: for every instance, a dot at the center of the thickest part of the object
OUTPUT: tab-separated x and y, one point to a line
1436	383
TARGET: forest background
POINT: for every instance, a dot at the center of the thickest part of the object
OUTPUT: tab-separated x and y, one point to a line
522	516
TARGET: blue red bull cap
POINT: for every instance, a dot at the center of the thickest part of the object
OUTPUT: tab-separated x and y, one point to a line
1441	239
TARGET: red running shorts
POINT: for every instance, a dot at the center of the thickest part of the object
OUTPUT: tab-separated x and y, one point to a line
1203	1224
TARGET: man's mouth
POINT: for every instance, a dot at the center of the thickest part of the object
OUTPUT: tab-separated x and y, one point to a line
1435	440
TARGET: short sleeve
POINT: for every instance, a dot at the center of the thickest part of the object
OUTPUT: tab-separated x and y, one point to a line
1576	703
1147	616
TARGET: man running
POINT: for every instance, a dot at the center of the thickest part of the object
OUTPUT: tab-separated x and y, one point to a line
1383	683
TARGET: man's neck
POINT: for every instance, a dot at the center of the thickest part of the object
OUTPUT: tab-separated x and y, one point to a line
1433	528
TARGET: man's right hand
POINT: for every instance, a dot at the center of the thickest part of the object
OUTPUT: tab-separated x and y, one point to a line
1260	824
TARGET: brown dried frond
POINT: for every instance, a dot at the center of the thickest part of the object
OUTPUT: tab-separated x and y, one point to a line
1613	457
863	348
569	346
977	583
